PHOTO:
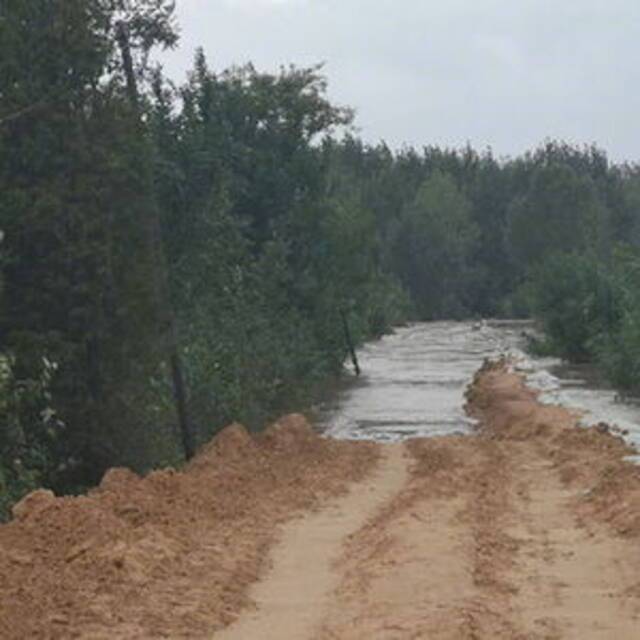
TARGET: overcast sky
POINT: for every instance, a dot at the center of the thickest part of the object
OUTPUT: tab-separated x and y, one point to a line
499	73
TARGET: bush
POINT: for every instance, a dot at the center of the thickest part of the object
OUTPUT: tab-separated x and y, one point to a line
573	296
29	433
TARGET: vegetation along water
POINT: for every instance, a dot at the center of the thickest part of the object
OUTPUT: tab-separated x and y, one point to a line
174	258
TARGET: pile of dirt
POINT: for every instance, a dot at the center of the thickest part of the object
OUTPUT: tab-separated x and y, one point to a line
489	537
503	535
615	498
171	554
592	460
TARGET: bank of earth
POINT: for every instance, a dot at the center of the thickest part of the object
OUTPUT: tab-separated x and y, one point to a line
529	529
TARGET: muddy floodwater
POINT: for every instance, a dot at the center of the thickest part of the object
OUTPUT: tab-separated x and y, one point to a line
413	383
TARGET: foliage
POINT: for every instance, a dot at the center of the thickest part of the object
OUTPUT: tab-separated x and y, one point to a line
230	223
29	440
590	310
617	348
574	299
434	240
560	212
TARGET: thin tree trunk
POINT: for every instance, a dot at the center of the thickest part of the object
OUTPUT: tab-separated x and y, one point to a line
180	396
23	112
160	270
122	36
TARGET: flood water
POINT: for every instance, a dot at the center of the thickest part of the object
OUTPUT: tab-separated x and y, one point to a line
413	383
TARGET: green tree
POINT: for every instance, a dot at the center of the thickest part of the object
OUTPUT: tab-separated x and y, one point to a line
573	296
560	211
432	248
74	209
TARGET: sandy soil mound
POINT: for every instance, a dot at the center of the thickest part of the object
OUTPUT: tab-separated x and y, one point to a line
591	459
171	554
510	535
528	530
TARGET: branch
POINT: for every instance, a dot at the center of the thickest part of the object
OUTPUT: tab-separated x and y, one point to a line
23	112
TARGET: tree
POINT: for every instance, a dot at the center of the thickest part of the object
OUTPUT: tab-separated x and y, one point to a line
73	208
560	212
432	248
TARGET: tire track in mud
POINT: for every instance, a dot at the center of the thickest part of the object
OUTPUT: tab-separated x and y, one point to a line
173	554
526	531
292	598
568	576
433	563
487	541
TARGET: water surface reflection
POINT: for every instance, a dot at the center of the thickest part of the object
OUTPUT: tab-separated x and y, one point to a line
413	383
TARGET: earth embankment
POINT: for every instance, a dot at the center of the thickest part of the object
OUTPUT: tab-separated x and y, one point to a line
527	530
170	555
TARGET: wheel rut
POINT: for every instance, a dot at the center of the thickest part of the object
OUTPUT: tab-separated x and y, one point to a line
293	598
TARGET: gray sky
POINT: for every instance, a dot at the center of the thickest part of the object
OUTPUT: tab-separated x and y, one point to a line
499	73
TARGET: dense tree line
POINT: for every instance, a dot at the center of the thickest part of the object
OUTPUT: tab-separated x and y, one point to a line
172	257
177	257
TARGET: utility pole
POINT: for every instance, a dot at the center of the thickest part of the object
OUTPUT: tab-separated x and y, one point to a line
349	341
160	269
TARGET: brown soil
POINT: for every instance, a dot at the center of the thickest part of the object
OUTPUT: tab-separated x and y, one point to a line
528	530
171	555
302	579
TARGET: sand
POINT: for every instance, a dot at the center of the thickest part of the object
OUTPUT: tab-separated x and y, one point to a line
529	529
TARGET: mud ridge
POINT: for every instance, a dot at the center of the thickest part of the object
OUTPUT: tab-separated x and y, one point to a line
527	530
172	554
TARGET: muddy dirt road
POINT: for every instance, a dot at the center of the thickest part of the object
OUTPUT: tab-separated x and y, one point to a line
515	533
529	529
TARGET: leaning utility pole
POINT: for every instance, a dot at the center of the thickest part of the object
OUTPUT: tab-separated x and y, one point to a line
349	341
160	269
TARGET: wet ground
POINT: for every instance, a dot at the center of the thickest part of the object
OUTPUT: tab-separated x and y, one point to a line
413	383
529	529
582	387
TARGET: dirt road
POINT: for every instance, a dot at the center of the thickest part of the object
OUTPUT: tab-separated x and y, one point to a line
486	537
297	592
528	530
